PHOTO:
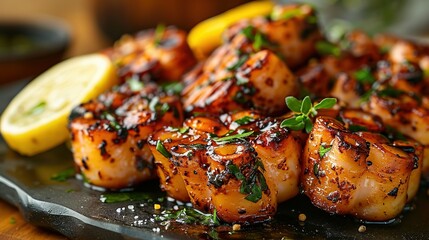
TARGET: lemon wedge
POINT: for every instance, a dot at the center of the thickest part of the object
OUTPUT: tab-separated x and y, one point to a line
36	119
207	35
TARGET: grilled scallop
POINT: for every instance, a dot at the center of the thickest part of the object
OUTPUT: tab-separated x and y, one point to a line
242	165
109	134
162	54
360	174
261	81
251	68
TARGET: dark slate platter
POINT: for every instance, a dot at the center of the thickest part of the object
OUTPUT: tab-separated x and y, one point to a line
77	211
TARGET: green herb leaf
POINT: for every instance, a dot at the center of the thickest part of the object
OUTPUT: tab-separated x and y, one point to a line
235	171
326	103
357	128
12	220
183	130
291	14
64	175
364	76
316	169
126	196
37	109
233	137
255	195
241	60
159	34
304	111
112	120
306	105
161	149
189	216
323	150
258	42
290	122
293	104
135	84
308	125
390	92
173	87
326	48
244	120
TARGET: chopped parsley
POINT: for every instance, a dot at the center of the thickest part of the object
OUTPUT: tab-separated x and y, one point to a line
173	87
241	60
357	128
161	149
327	48
364	76
323	150
232	138
159	34
135	84
126	196
244	120
64	175
189	216
254	183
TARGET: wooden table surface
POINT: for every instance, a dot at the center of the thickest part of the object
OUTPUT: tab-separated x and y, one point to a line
86	38
14	227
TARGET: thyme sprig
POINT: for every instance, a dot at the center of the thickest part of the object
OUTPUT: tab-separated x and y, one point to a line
304	111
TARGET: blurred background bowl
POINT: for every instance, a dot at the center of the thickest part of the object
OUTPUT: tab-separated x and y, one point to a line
27	48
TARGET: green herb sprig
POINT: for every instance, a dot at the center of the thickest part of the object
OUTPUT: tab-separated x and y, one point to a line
304	111
189	216
254	184
232	138
64	175
327	48
323	150
161	149
159	34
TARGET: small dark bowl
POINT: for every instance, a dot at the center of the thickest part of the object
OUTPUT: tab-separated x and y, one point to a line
29	48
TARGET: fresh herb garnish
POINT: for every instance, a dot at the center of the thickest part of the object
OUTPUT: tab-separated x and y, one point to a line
161	149
125	197
304	110
291	14
316	169
173	87
232	137
323	150
37	109
327	48
244	120
135	84
156	106
364	76
241	60
259	39
12	220
63	175
112	120
241	80
357	128
183	130
189	216
392	134
159	34
389	92
254	184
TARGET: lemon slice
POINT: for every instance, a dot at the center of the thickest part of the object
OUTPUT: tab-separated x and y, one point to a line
36	119
207	35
